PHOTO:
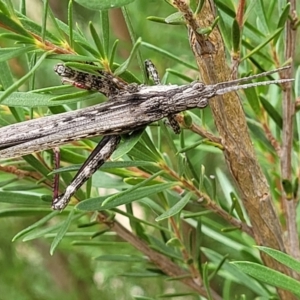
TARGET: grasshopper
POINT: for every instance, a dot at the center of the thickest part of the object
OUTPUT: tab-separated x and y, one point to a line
130	107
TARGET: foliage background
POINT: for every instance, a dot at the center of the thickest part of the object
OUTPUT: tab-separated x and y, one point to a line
73	271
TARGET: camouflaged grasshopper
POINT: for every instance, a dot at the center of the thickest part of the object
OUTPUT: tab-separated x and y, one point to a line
130	107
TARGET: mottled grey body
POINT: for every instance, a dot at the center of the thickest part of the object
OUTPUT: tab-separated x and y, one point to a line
122	114
128	110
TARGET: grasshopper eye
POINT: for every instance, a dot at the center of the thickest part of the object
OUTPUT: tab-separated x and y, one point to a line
61	70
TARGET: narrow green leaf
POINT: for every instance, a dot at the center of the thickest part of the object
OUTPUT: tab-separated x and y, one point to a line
104	21
107	165
199	7
176	17
62	231
177	208
253	100
64	30
35	28
17	38
236	274
96	203
40	232
141	275
70	23
165	20
260	13
72	57
32	100
283	18
86	46
237	207
272	112
6	77
7	182
23	212
183	169
8	53
37	224
17	84
10	8
183	295
97	40
135	187
180	75
284	15
150	145
215	23
282	257
21	187
23	7
170	55
103	4
83	95
269	276
101	243
13	26
112	54
38	166
141	152
44	21
166	250
260	46
126	63
84	67
142	298
260	55
219	266
169	140
132	32
22	198
236	36
4	9
206	281
122	258
129	143
31	63
174	242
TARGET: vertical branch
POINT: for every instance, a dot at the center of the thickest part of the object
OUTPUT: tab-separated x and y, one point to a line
231	124
287	136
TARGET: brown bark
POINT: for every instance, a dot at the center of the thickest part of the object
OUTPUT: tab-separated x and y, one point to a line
231	124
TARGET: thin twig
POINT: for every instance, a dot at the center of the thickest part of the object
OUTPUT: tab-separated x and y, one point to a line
160	260
209	204
271	138
199	130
